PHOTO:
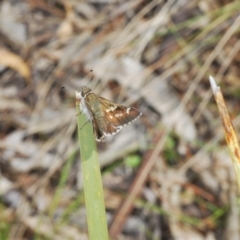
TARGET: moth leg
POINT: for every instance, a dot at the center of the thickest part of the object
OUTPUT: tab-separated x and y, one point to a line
79	114
84	125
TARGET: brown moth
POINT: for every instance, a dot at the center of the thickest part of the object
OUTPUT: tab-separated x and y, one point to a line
107	117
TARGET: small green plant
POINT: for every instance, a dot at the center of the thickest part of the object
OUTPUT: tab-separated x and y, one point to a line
92	181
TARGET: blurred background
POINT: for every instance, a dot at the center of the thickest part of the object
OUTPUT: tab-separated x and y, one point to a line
153	55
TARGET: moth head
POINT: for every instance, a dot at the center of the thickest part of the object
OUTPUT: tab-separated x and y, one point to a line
84	91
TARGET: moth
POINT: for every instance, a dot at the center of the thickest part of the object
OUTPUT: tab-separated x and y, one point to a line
107	117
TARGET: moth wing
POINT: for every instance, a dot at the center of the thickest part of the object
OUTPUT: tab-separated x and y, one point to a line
118	115
99	135
98	132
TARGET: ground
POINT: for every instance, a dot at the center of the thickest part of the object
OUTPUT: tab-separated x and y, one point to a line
155	56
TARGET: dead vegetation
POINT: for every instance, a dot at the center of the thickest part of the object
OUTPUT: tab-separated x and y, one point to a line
154	55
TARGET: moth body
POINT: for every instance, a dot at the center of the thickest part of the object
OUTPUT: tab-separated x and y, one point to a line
107	117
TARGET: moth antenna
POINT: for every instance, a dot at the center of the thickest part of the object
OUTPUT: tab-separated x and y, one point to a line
91	75
64	91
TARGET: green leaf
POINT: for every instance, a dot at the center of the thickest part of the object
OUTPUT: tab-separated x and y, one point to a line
92	181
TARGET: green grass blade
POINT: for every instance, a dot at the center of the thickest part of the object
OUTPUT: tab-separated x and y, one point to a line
92	181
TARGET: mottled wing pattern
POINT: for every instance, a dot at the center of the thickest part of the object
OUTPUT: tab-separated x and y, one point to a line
110	119
116	116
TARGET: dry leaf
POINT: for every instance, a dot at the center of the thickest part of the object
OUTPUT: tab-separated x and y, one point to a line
15	62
